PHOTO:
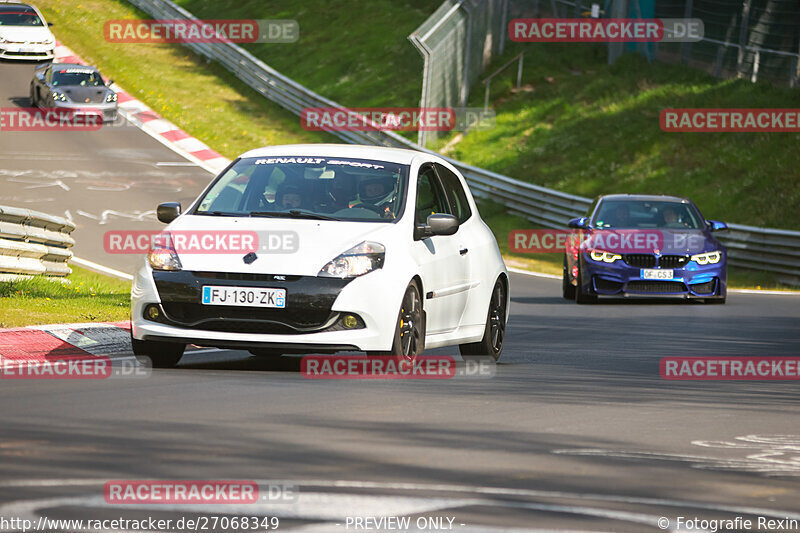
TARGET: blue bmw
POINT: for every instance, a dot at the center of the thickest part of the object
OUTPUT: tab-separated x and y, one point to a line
644	245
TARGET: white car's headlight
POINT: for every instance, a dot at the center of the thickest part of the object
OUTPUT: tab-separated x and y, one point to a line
605	257
111	97
59	97
357	261
162	255
707	258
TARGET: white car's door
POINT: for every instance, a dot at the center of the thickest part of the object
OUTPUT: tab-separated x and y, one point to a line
443	259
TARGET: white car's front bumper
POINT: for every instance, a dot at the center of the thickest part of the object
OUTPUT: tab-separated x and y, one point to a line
372	297
35	52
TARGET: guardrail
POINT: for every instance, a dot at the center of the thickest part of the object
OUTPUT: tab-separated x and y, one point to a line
34	243
750	247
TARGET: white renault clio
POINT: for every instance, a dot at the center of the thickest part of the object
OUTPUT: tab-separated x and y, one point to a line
319	249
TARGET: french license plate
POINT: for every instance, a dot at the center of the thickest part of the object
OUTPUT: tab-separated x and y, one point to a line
656	273
25	49
244	296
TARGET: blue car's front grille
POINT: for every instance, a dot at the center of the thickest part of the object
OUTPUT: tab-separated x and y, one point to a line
656	287
650	261
640	260
672	261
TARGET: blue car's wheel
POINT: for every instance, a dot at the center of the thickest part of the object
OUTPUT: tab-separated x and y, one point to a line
567	288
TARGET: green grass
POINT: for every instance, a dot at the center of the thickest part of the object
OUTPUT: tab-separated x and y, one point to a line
202	98
587	128
355	52
83	297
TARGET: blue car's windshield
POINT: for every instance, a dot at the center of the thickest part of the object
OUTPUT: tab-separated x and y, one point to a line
337	188
639	214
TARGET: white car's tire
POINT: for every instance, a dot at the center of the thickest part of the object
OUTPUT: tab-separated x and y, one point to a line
495	330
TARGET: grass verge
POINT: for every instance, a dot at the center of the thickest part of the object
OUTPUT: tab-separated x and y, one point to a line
84	297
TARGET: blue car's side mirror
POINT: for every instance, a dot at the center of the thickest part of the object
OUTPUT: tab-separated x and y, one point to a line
578	223
715	225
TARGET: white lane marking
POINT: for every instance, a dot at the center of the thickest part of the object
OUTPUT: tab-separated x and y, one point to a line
761	291
774	455
40	185
175	164
87	215
532	273
100	268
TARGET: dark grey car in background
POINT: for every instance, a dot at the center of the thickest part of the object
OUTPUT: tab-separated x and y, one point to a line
72	86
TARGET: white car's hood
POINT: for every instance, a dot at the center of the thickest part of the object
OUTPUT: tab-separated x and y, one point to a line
317	242
26	34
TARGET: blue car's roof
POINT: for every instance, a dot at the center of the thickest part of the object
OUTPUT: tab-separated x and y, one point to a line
645	197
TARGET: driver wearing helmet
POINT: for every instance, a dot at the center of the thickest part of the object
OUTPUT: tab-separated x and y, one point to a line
376	194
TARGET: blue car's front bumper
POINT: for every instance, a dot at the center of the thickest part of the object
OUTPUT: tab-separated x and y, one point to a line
689	280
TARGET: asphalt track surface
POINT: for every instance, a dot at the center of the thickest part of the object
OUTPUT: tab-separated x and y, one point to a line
576	431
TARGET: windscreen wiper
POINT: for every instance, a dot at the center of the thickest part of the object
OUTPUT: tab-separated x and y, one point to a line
220	213
294	213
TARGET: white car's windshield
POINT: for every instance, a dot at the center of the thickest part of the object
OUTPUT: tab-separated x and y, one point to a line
15	16
309	187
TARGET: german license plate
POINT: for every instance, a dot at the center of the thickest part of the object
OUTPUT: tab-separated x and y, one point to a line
656	273
244	296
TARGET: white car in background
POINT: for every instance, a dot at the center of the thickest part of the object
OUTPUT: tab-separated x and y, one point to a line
24	34
391	257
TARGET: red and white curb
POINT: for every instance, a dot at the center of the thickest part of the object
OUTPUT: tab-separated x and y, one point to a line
41	344
154	125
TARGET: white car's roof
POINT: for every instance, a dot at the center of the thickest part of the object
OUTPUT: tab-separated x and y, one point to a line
355	151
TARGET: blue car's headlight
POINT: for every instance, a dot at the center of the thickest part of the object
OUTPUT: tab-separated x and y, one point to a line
605	257
707	258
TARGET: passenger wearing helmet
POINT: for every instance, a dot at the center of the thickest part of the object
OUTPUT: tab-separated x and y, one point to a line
340	193
288	197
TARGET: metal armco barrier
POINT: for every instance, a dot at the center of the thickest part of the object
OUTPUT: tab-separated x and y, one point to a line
767	249
34	243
